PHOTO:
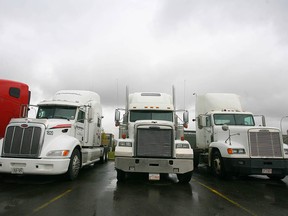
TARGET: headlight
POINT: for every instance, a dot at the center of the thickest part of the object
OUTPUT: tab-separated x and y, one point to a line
235	151
182	145
125	144
58	153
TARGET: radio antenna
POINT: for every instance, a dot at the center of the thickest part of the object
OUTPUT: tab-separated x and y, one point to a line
184	94
117	99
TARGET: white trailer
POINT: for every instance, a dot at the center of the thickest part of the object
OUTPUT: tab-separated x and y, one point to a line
64	136
151	140
230	143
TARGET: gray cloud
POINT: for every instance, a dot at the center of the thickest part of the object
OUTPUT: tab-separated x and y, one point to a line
198	46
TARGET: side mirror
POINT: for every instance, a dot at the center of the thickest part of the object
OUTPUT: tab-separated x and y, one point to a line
25	110
225	127
117	117
263	121
202	121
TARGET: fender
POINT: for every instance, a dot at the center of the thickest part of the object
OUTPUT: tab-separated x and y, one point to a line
124	150
222	147
62	142
182	151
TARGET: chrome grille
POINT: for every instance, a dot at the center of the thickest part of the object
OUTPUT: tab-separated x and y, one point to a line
22	142
154	142
265	143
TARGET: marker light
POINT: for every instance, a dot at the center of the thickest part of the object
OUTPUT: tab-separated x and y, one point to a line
235	151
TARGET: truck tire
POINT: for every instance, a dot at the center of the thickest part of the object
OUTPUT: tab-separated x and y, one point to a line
121	175
185	177
104	157
217	165
196	160
74	165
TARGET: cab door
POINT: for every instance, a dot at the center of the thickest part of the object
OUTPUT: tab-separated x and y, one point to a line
204	132
80	126
208	133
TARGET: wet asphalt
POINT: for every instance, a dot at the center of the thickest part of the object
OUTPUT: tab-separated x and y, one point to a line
97	192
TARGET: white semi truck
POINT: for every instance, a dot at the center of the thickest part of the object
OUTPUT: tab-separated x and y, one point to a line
64	136
151	140
230	143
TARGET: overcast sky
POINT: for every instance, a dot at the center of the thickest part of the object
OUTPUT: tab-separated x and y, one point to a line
230	46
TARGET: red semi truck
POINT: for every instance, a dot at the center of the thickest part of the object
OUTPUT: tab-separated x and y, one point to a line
14	100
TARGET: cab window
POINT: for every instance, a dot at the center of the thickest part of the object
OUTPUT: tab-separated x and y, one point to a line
81	116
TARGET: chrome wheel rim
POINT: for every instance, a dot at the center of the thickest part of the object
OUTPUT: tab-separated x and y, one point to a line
75	165
217	166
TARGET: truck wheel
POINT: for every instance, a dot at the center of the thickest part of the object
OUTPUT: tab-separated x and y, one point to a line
276	177
185	177
74	165
196	160
103	158
217	165
106	155
121	175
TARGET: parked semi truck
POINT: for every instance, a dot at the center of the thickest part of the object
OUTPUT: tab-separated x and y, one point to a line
151	138
64	136
230	143
14	100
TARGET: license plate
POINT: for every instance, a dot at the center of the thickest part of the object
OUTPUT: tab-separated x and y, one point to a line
267	171
16	170
154	176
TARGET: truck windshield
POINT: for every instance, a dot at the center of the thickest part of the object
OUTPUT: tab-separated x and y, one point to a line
62	112
234	119
151	115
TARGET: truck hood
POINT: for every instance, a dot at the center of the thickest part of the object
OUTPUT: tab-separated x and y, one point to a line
238	134
49	123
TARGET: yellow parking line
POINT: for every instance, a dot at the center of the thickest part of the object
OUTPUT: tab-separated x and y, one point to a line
51	201
226	198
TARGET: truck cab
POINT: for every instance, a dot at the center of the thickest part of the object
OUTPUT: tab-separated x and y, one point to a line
150	138
228	140
14	101
64	136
